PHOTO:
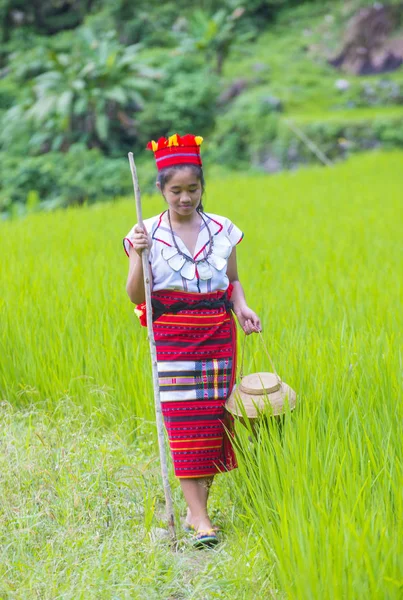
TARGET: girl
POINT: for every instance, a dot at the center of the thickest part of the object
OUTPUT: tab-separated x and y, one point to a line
195	287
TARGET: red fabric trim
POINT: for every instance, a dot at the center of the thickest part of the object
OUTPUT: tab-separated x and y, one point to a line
221	226
124	247
179	160
177	150
183	141
200	251
172	156
162	241
160	219
141	312
156	229
208	241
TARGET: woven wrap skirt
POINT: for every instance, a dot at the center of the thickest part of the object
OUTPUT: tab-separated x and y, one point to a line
196	355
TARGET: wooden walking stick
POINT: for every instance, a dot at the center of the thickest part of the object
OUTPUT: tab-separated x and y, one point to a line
308	142
154	365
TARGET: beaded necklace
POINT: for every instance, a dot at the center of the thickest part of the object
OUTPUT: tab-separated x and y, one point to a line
215	258
186	256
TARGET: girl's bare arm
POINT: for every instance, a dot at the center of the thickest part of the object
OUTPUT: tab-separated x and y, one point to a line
248	319
135	278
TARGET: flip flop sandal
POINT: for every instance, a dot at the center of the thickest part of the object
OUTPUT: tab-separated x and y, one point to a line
205	538
188	527
192	529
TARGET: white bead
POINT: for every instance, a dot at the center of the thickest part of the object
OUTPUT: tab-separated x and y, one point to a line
176	262
204	270
168	252
188	270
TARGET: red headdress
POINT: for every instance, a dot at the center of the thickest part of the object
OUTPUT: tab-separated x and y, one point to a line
176	150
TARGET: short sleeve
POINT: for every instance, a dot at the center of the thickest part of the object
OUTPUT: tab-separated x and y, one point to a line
234	234
128	241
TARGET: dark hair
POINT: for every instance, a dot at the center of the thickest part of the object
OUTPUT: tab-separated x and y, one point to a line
165	175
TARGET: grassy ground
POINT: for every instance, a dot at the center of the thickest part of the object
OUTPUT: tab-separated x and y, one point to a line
314	511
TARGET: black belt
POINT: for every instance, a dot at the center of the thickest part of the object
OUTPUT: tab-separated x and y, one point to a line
160	309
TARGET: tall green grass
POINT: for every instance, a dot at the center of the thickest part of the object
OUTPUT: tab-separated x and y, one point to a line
315	509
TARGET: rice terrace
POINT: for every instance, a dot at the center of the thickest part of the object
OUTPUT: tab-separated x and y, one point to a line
314	512
298	104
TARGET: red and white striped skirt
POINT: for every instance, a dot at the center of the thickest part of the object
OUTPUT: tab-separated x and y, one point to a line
196	354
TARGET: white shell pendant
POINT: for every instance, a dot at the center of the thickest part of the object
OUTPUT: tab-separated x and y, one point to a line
188	270
204	270
217	261
222	246
176	262
168	252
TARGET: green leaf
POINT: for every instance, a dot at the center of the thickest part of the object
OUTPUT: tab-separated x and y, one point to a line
102	127
118	94
133	48
50	77
111	60
41	109
78	84
57	142
136	83
103	52
80	106
87	69
64	102
137	98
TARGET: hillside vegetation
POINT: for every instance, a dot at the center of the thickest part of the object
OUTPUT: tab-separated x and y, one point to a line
83	83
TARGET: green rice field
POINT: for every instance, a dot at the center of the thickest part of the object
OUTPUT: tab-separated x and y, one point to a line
315	510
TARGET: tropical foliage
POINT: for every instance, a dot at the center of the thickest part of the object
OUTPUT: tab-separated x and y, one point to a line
82	76
89	94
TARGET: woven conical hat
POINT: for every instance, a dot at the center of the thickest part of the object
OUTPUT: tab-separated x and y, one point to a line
261	392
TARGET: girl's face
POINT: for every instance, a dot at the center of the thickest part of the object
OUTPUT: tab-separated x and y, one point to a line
182	192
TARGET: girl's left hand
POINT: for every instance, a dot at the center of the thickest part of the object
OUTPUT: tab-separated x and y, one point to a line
248	320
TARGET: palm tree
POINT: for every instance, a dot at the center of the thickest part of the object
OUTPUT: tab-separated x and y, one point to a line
91	93
213	35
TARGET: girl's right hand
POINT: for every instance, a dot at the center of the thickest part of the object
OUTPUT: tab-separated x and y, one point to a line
141	240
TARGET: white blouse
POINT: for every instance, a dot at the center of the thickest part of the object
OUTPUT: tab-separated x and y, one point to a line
209	275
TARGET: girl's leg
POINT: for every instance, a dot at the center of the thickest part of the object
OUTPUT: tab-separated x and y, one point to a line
196	493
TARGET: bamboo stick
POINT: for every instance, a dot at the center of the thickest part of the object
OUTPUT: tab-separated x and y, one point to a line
311	145
154	365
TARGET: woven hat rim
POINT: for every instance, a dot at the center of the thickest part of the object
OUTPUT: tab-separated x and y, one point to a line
251	401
